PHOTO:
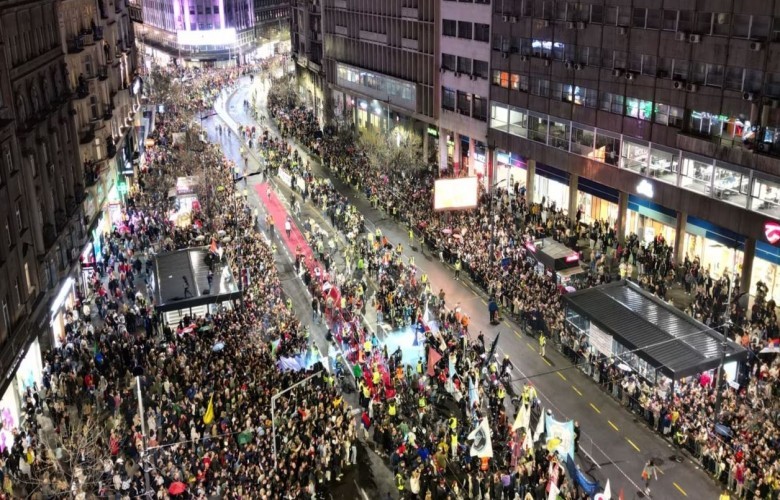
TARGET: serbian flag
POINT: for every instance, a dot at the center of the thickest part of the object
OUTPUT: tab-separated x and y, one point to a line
433	358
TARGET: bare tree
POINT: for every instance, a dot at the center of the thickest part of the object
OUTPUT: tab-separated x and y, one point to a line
397	150
66	464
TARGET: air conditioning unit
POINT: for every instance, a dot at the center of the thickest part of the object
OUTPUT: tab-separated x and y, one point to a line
457	75
756	46
630	75
547	62
580	25
570	25
524	58
505	55
692	87
694	38
749	96
578	66
681	36
505	19
678	84
472	77
442	69
617	72
513	19
622	30
545	23
569	65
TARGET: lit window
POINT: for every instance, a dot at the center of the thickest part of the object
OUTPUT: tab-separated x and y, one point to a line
639	108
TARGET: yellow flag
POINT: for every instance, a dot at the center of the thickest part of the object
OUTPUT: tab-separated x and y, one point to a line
208	417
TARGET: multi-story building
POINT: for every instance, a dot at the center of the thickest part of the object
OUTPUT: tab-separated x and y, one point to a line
41	192
380	64
306	48
465	83
200	31
661	118
99	46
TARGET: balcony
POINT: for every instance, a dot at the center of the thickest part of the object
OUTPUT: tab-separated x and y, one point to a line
88	37
76	44
102	72
87	135
98	33
108	113
409	13
82	88
91	173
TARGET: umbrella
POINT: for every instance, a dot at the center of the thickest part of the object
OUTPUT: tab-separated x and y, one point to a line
446	231
221	233
226	239
205	328
218	346
200	237
177	488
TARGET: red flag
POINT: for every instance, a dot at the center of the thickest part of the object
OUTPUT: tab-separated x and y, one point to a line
433	358
620	495
213	246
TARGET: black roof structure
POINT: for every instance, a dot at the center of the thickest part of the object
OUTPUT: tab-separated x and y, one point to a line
663	336
173	268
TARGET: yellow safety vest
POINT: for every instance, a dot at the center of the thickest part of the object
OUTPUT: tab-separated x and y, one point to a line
399	482
391	409
376	377
419	367
501	393
453	423
366	391
421	402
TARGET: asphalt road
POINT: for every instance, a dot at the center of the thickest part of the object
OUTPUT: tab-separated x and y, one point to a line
614	445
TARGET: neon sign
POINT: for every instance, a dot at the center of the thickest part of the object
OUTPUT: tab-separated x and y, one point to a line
772	232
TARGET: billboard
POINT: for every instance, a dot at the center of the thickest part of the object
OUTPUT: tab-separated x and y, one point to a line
226	36
455	194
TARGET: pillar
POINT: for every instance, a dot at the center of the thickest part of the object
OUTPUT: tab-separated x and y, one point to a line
573	191
747	265
426	139
443	149
529	180
456	153
472	154
620	223
679	236
489	173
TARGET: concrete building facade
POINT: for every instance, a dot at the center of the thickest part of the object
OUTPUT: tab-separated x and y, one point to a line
306	45
661	118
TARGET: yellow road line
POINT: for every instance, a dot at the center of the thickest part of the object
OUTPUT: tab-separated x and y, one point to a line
561	375
596	409
613	425
576	390
680	489
530	347
632	444
545	360
518	334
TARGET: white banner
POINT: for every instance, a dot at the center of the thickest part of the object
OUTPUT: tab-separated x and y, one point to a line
482	445
600	340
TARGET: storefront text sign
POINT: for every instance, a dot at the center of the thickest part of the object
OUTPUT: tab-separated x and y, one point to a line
772	232
645	188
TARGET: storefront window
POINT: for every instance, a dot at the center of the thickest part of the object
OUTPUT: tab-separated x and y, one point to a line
510	169
731	185
518	123
635	156
551	191
596	209
499	117
664	164
607	148
582	141
696	175
559	135
767	273
639	108
537	127
766	197
713	255
647	228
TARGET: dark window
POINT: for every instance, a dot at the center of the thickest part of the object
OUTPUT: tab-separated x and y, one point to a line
481	68
448	98
449	62
464	29
481	32
449	27
464	65
464	103
479	110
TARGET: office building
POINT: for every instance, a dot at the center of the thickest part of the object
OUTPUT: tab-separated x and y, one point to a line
306	49
208	31
381	68
465	83
660	118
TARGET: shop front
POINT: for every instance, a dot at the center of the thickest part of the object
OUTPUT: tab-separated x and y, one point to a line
766	270
717	249
510	169
552	186
29	373
597	202
65	300
648	220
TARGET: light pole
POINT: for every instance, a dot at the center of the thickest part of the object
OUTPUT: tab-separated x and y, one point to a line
493	224
273	408
724	342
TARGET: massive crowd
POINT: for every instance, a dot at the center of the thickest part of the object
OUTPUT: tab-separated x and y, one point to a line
486	242
206	382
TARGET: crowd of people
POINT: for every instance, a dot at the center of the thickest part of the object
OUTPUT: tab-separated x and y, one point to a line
487	242
206	382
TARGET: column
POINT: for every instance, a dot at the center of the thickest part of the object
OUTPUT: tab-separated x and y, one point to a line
456	153
443	149
489	173
679	236
426	139
573	184
747	265
529	180
621	217
472	154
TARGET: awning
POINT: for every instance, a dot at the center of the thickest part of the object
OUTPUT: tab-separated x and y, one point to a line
663	336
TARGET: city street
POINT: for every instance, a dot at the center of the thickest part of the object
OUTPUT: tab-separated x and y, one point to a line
613	445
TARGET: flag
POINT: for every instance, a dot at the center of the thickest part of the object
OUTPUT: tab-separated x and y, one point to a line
553	443
620	495
553	492
275	345
492	350
527	443
208	417
607	491
539	427
433	358
213	246
473	393
482	446
452	370
523	418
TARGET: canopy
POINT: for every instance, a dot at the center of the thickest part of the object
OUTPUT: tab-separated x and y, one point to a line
663	336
